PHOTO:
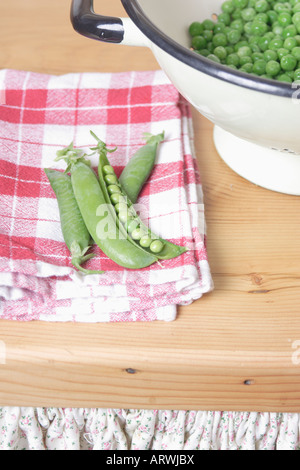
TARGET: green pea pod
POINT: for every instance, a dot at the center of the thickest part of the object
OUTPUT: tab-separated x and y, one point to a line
140	235
99	217
101	221
139	167
75	233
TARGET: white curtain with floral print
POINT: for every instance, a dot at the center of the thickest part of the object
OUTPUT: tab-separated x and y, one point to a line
23	428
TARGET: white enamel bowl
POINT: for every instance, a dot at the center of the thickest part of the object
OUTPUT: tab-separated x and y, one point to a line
257	121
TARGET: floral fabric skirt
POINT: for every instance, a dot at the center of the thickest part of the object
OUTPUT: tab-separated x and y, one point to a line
23	428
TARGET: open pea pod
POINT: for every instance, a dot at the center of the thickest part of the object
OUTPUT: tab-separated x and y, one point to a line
127	218
99	216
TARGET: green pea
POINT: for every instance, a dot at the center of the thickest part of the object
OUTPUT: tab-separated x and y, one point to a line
248	14
229	49
224	18
203	52
262	17
196	28
137	233
290	73
246	59
210	47
277	29
156	246
248	68
253	40
233	36
258	28
208	35
296	18
214	58
228	6
219	28
261	6
121	206
219	40
282	52
284	78
233	59
117	197
272	68
272	15
145	241
280	7
248	28
198	42
257	56
240	3
220	52
240	44
238	25
132	225
270	55
255	48
289	31
208	24
275	43
259	67
297	74
110	179
284	19
108	170
124	216
290	43
244	51
288	62
113	188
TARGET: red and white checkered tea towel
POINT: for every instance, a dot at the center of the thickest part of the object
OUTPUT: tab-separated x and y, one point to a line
41	114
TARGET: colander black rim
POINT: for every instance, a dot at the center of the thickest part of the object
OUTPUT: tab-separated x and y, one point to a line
194	60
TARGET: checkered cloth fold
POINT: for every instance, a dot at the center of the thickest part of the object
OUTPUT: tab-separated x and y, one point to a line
40	114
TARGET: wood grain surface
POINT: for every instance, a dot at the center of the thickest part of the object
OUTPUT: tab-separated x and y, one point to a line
237	348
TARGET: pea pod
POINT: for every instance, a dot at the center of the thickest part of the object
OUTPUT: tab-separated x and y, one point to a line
100	218
139	167
75	233
126	217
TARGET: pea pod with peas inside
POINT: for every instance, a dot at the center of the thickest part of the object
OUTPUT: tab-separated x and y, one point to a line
99	216
126	216
75	233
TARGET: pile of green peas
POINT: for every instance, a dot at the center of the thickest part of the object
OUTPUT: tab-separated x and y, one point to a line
126	214
259	37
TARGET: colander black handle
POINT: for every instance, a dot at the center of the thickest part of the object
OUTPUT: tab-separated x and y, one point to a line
86	22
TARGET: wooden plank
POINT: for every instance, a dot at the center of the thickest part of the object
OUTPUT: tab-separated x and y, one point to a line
237	348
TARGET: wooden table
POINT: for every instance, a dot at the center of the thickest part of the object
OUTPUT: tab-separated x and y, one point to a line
237	348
